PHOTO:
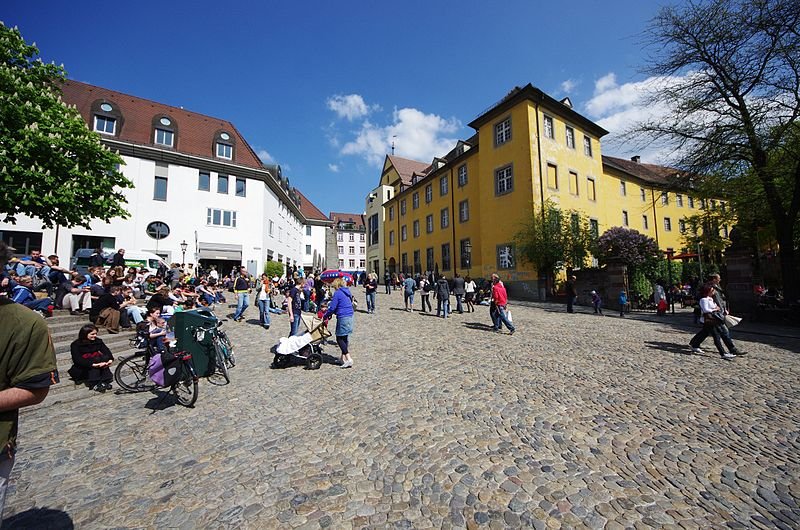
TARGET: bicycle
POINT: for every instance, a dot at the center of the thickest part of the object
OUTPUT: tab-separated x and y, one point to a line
132	373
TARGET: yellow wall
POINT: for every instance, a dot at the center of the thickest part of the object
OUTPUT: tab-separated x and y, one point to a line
495	219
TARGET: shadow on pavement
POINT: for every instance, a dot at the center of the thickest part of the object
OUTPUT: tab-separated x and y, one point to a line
162	401
670	347
479	326
40	518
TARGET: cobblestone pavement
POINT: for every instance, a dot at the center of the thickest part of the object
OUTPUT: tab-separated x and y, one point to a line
574	421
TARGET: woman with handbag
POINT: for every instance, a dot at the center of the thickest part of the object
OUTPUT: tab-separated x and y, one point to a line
713	321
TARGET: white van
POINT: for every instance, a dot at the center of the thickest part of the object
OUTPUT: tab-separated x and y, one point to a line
138	259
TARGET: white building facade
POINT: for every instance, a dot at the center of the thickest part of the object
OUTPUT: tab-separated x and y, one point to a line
351	241
193	174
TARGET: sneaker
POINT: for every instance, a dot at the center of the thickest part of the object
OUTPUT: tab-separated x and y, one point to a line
99	387
728	356
108	386
75	313
512	331
739	353
347	364
695	349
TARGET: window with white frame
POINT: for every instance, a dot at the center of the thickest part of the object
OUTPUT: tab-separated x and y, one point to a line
503	180
667	224
272	228
403	233
352	263
224	218
587	146
570	137
222	184
415	200
682	226
339	237
463	211
462	175
444	218
362	237
642	194
361	250
679	200
224	151
549	132
351	250
105	124
664	198
402	206
341	249
308	230
443	186
416	228
429	223
341	264
391	237
624	218
622	188
352	237
308	250
428	193
505	257
164	137
391	213
362	263
502	132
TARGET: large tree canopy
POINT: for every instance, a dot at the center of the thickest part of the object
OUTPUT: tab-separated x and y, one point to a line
626	246
732	82
53	167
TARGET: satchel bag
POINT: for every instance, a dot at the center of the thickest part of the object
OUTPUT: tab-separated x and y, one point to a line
732	321
718	317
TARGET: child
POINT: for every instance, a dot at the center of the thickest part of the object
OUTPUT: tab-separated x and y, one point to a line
623	303
596	303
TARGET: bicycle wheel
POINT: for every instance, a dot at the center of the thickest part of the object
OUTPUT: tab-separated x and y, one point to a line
223	337
222	366
185	390
131	374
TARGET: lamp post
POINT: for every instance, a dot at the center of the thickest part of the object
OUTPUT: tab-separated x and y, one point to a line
466	256
669	252
184	246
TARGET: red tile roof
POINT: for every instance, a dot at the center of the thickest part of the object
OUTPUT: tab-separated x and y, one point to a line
356	218
406	168
195	133
652	173
308	209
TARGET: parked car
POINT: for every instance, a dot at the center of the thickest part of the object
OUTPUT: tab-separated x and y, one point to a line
138	259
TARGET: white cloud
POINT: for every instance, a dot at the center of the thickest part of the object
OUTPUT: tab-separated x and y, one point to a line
350	107
416	135
607	82
568	86
265	156
334	167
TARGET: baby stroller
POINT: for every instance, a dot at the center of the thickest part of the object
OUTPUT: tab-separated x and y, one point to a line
306	347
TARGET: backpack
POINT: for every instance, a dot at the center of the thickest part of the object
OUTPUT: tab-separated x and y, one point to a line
427	287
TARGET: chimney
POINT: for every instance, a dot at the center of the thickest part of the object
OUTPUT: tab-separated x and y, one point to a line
635	158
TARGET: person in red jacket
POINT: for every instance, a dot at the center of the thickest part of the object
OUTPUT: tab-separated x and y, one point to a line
500	304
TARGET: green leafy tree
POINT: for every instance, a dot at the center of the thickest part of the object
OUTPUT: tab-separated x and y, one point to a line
553	239
706	230
273	268
53	167
627	246
731	71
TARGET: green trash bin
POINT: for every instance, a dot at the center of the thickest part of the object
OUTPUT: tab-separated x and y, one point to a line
185	324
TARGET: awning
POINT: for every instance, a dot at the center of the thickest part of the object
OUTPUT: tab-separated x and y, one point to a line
220	251
684	256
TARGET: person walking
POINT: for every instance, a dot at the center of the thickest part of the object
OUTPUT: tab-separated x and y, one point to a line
371	288
27	370
425	288
263	301
442	297
241	288
469	294
459	290
713	321
409	286
294	306
500	299
623	303
572	293
597	303
341	305
307	288
387	281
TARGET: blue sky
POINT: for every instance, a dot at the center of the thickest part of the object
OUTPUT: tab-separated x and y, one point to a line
323	87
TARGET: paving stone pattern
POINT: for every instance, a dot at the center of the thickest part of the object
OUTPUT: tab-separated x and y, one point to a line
576	421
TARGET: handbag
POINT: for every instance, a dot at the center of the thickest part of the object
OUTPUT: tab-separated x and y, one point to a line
508	316
732	321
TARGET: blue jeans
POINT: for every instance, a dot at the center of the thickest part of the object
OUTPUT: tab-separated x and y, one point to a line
306	299
295	325
371	302
443	305
459	307
31	270
499	318
242	304
135	313
263	312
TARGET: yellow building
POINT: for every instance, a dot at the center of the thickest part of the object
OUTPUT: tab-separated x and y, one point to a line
461	212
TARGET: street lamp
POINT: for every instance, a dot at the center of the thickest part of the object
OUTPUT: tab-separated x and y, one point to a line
669	252
184	246
466	256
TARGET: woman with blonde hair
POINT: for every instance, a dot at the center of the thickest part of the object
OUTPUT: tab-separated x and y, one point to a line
341	305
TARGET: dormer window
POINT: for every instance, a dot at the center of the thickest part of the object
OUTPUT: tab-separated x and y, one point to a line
106	118
223	145
164	131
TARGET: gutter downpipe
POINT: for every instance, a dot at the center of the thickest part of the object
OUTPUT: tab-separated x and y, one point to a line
542	284
453	224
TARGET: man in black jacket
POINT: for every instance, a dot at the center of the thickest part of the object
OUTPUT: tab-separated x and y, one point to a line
119	259
459	290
